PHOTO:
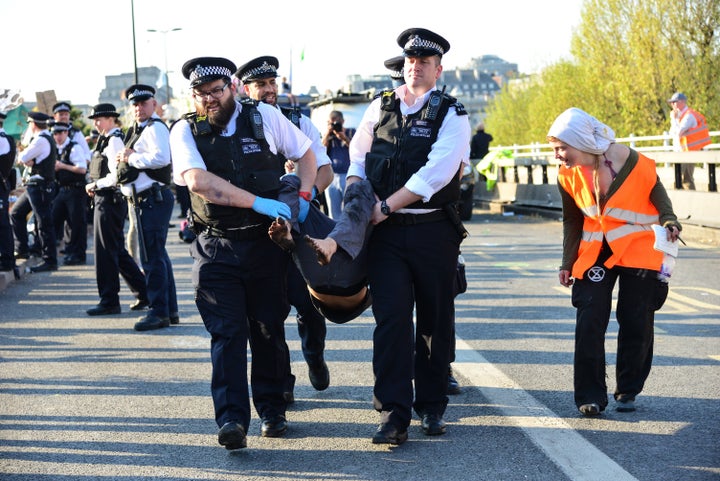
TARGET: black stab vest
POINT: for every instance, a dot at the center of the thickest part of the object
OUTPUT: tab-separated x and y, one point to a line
99	162
65	177
401	147
162	174
242	159
7	160
46	166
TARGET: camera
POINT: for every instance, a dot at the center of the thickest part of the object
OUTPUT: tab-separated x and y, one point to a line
337	126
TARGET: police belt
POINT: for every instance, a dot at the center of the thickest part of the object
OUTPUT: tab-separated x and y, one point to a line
149	192
106	191
412	219
241	233
75	185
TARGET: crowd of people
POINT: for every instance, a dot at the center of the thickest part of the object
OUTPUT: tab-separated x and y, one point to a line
251	174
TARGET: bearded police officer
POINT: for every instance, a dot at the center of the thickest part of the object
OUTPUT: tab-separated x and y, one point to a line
413	249
226	153
144	175
258	78
109	213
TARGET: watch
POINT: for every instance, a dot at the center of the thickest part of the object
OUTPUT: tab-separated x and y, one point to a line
385	208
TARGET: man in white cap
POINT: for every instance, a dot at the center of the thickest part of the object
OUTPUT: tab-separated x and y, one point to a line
690	132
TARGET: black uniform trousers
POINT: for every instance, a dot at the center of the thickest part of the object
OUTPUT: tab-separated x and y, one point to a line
412	266
70	205
640	294
111	258
7	257
37	198
240	292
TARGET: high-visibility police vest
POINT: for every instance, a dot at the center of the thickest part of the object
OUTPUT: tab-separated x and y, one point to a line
697	137
625	221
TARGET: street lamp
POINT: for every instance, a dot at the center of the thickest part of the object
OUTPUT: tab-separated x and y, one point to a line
167	77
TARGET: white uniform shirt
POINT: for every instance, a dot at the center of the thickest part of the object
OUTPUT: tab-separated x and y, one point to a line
152	151
447	153
312	132
281	135
115	146
77	156
38	150
82	144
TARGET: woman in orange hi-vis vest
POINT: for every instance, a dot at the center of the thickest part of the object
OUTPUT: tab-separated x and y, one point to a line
611	197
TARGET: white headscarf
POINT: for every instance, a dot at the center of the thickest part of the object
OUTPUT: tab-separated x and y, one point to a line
582	131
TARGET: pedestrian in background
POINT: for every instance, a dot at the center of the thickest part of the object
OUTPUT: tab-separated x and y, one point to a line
337	140
411	144
239	273
611	196
689	131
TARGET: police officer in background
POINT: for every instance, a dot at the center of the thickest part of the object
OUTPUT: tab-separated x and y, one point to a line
109	213
7	184
144	175
413	249
61	113
258	78
39	158
226	153
71	201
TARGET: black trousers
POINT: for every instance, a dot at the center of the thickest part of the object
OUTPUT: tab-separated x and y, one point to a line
412	267
70	205
640	294
7	257
37	198
240	292
111	258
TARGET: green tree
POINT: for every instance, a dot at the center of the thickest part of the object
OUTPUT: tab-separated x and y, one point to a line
628	57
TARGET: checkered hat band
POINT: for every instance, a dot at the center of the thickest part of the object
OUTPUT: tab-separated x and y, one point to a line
61	108
262	69
138	93
201	71
417	42
396	73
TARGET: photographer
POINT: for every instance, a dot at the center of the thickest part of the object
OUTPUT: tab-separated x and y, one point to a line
336	140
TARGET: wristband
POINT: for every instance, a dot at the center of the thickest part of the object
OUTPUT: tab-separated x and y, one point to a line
305	195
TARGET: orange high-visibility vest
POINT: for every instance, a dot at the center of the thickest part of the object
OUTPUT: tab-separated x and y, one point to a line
697	137
625	221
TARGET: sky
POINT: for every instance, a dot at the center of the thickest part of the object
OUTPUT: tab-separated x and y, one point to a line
70	46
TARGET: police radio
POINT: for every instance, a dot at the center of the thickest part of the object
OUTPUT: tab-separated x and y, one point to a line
257	125
434	103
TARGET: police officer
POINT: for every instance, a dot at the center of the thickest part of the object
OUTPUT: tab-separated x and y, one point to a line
144	175
71	201
413	249
109	213
39	160
258	78
395	65
225	153
61	113
7	184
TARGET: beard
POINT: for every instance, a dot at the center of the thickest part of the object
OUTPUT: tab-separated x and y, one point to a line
219	119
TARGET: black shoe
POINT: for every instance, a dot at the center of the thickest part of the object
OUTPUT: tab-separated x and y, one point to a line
101	310
74	261
274	427
433	424
590	409
232	436
139	305
319	376
453	385
150	322
174	318
387	433
44	267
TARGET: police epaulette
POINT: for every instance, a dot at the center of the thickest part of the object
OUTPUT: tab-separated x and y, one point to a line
459	108
248	101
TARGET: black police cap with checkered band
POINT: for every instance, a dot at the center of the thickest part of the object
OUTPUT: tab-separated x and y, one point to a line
420	42
258	68
202	70
139	92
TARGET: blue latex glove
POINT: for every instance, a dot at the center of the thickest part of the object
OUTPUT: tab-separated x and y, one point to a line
271	208
304	209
